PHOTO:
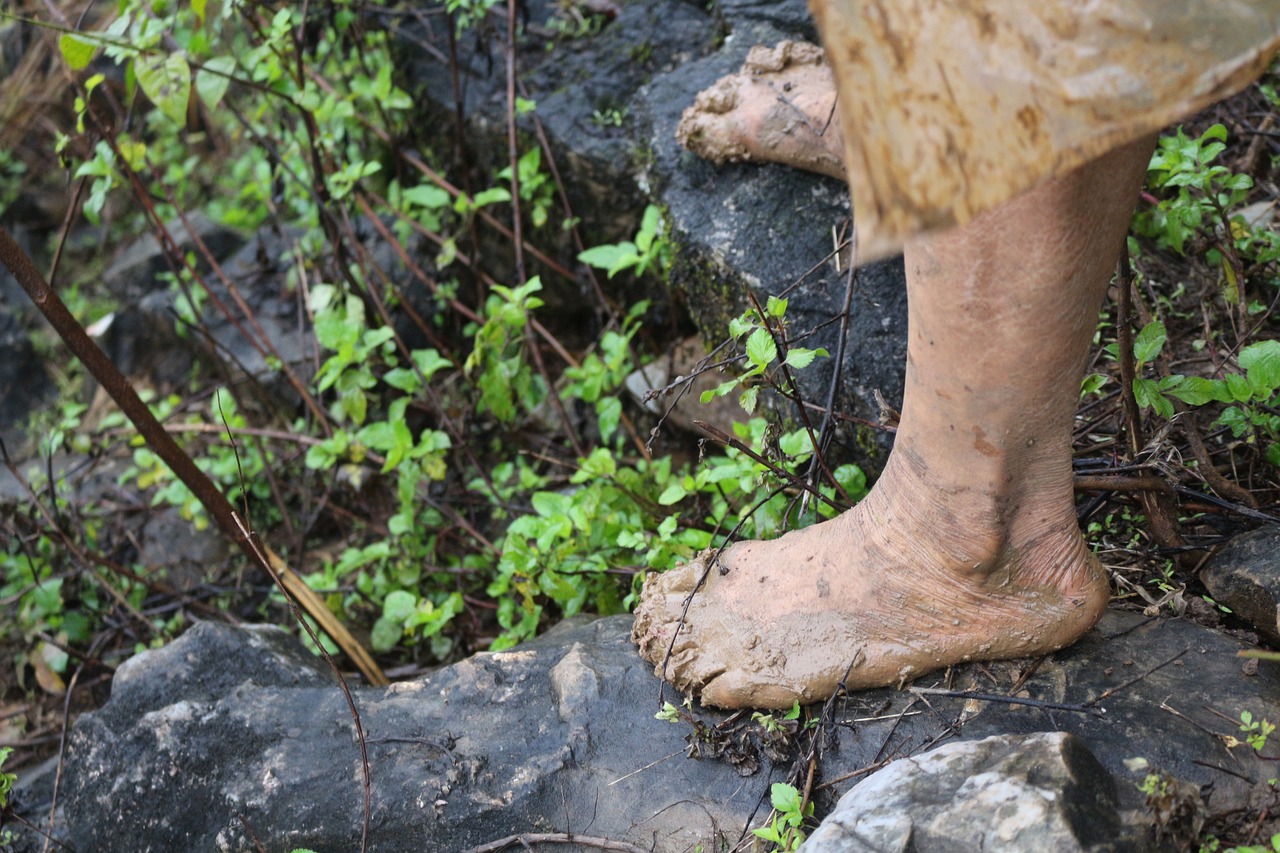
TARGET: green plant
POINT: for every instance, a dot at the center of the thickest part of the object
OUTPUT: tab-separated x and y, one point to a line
6	779
535	186
651	248
505	378
771	723
1202	190
786	824
1212	845
1255	731
1251	396
761	349
612	117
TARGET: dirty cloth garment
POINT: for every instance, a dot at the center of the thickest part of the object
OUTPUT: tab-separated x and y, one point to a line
950	107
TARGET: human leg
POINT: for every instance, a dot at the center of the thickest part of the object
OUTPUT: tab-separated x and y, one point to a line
967	547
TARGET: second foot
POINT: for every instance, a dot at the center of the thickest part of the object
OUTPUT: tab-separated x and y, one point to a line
780	108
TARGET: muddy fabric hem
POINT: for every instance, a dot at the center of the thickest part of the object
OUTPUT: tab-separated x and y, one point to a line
950	108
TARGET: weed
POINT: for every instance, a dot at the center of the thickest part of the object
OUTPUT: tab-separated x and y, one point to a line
773	724
612	117
1212	845
1255	731
761	334
785	829
650	248
1251	396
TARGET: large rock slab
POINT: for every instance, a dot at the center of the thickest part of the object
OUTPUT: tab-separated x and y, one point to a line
231	727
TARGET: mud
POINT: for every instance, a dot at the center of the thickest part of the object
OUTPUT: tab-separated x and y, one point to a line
858	600
780	108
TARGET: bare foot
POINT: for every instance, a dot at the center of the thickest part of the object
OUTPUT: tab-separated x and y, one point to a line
889	590
779	109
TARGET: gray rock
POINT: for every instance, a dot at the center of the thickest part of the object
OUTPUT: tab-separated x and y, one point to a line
134	273
559	736
1020	794
767	229
1245	576
229	725
737	227
24	381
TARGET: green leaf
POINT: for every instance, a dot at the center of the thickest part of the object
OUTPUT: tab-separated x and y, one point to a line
167	82
776	307
648	228
1196	390
77	51
386	633
719	391
399	605
739	326
212	80
429	361
1150	342
613	258
1093	384
1261	362
785	798
1238	387
491	196
799	357
674	493
1147	393
426	195
402	378
761	350
610	415
749	399
198	6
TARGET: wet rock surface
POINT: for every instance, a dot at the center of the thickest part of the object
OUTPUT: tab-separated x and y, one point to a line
559	736
739	227
1022	793
1245	577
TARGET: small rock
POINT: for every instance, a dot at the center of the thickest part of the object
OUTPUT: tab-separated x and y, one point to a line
1014	793
1245	576
134	272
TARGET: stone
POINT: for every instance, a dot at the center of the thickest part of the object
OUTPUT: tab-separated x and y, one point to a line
24	381
229	729
770	230
558	735
767	229
135	272
1018	794
1245	576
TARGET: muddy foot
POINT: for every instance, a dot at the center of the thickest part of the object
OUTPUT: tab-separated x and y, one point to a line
780	108
875	594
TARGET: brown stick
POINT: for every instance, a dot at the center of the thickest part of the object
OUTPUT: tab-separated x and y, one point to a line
526	839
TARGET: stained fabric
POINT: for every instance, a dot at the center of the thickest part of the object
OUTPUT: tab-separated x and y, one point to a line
950	107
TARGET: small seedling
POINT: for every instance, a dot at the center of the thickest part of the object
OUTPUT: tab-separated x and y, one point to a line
669	713
1255	731
785	827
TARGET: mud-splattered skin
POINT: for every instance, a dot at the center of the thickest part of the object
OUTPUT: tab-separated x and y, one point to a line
967	547
779	108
